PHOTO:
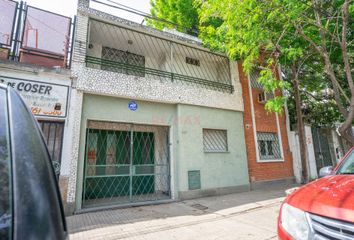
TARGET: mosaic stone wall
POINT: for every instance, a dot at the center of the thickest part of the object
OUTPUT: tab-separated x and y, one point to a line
75	118
155	89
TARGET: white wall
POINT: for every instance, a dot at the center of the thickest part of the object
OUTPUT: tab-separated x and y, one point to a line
310	154
295	149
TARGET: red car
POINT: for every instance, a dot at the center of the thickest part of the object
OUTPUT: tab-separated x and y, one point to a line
322	209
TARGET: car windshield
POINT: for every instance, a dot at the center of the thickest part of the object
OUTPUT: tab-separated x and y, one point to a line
348	165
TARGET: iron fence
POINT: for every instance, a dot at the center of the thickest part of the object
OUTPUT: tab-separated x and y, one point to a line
33	35
118	49
8	12
7	25
125	163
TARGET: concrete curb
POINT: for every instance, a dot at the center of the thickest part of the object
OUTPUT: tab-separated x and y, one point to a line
248	207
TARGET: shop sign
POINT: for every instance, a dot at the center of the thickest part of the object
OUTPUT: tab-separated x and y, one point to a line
44	99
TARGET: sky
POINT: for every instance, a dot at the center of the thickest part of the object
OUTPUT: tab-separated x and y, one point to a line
68	7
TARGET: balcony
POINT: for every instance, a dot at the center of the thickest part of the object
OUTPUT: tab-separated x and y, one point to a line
34	36
128	51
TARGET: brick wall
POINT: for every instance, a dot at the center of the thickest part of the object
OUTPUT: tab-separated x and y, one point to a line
265	122
42	59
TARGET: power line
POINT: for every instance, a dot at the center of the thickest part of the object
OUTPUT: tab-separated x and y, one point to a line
127	7
134	11
123	7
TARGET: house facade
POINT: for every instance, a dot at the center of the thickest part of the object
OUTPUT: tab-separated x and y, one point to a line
269	155
156	117
324	147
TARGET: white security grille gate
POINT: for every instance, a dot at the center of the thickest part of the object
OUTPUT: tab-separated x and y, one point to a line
126	163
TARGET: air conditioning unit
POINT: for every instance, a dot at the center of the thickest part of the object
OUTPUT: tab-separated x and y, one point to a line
263	97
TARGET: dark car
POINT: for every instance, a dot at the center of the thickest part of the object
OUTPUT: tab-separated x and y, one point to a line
30	203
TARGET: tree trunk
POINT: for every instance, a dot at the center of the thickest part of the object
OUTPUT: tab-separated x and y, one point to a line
346	128
300	126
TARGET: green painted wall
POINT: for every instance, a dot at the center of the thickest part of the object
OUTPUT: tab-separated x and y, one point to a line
186	122
216	169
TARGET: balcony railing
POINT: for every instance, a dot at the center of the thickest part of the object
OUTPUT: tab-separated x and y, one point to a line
102	63
119	49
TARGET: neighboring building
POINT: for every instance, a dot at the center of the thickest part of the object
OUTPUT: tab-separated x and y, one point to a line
324	148
34	47
156	117
269	155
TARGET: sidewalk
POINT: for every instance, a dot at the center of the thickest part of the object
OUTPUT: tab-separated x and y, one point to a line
250	215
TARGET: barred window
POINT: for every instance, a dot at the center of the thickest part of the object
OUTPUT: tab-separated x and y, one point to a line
268	146
130	63
215	140
193	61
254	75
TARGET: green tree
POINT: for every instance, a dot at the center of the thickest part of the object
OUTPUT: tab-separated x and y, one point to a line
318	105
180	14
299	35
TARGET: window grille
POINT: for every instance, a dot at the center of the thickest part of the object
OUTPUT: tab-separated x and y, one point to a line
53	136
192	61
263	97
215	140
254	75
125	57
268	146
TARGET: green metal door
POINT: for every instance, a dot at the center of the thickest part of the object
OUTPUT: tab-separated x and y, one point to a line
125	163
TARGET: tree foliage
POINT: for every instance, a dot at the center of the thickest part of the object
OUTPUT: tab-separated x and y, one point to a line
318	105
311	39
305	36
183	13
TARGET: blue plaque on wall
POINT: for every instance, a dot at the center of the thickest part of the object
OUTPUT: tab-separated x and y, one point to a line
133	105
